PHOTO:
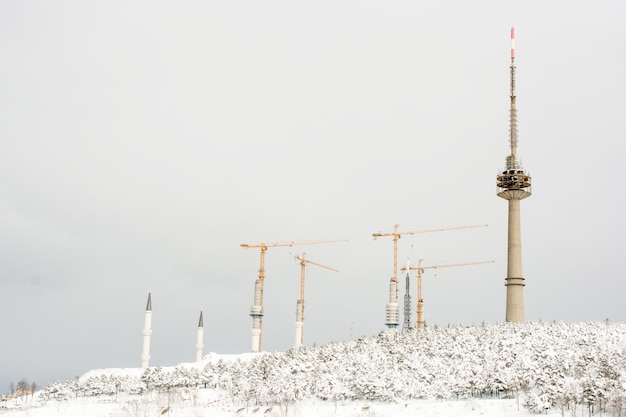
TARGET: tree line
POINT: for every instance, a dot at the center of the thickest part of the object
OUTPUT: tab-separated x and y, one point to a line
544	365
22	390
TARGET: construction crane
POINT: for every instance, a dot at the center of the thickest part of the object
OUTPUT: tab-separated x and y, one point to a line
256	312
420	269
300	303
392	315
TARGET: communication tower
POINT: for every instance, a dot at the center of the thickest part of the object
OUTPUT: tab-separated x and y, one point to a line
513	184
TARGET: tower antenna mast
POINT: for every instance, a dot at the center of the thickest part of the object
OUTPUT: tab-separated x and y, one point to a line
512	162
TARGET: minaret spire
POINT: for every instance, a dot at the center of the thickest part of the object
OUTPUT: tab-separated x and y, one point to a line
199	338
147	331
514	184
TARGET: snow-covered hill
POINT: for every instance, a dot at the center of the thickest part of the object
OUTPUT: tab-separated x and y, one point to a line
479	370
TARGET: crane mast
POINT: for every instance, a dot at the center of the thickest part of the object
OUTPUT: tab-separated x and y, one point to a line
300	302
256	311
420	269
392	320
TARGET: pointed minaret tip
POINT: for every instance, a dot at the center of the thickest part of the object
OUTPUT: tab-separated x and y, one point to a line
149	305
201	321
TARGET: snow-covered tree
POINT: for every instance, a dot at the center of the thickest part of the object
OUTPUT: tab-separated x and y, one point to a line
545	365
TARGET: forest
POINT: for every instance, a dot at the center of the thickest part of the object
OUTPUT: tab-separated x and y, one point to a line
545	365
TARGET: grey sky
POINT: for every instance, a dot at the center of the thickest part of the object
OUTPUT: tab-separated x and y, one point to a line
142	142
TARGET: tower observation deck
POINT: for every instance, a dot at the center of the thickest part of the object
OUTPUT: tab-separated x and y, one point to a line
514	184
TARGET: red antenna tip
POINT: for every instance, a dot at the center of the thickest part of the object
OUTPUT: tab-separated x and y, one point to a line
512	43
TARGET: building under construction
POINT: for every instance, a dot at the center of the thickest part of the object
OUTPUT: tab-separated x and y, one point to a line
513	185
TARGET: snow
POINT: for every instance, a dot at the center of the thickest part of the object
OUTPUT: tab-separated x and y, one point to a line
488	370
183	406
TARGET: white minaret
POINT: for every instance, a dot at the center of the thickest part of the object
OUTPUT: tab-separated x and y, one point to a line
199	339
147	331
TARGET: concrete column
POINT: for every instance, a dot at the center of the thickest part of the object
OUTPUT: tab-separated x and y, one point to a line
514	280
256	336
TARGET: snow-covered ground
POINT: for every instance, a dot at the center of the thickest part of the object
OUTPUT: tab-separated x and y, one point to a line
201	405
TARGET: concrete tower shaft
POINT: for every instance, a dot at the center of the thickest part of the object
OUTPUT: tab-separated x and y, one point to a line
514	184
514	281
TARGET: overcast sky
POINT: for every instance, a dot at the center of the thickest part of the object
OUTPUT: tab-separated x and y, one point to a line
142	142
